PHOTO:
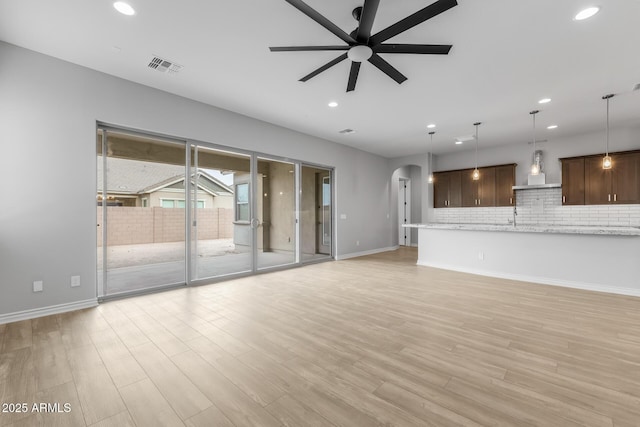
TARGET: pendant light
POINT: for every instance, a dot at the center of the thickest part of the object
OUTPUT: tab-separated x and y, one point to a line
535	165
606	160
430	157
476	173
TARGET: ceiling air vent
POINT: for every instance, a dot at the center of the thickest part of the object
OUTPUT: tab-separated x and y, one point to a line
164	66
347	131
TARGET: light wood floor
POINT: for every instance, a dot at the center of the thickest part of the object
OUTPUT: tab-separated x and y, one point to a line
364	342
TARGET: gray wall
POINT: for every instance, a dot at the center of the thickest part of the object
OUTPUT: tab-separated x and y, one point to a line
48	114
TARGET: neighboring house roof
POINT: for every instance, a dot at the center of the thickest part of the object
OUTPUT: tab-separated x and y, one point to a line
138	177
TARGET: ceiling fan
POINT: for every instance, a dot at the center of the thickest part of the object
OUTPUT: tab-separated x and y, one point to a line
362	46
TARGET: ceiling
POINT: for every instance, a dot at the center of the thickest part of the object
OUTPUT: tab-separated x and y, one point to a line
506	56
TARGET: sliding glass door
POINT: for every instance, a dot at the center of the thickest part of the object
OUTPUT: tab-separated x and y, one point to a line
140	205
275	216
221	234
171	212
316	213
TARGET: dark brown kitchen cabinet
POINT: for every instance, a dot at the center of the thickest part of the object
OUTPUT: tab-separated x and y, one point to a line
584	181
618	185
597	182
458	189
505	180
573	181
447	189
481	192
625	178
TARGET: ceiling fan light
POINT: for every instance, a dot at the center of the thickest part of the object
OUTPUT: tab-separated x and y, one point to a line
360	53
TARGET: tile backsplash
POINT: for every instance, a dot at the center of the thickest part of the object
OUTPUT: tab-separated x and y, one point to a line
544	207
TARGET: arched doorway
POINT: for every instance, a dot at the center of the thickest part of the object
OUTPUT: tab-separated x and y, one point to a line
406	197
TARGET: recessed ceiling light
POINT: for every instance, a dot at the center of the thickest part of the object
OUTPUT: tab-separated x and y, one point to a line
333	104
431	126
544	100
124	8
552	127
586	13
458	142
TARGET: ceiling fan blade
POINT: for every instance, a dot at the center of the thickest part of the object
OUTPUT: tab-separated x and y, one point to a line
366	20
313	14
324	67
353	76
411	21
387	68
429	49
306	48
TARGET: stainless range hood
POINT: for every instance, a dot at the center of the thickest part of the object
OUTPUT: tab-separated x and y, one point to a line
534	187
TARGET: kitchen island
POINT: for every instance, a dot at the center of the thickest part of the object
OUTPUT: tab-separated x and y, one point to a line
595	258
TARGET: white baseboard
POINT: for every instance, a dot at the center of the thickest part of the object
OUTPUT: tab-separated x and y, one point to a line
363	253
537	279
47	311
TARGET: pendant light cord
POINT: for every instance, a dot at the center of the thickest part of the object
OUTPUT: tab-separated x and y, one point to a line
431	153
476	125
606	161
476	146
533	113
607	147
534	136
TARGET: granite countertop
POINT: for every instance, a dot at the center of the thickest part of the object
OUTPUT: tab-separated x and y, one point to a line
561	229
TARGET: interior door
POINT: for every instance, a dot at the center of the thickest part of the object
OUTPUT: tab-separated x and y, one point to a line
404	211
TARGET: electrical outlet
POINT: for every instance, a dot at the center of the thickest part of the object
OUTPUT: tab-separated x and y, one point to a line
481	256
343	216
75	281
38	286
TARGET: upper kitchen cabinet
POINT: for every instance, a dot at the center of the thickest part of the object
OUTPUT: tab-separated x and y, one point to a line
447	189
505	180
597	182
584	181
481	192
457	188
625	178
573	181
